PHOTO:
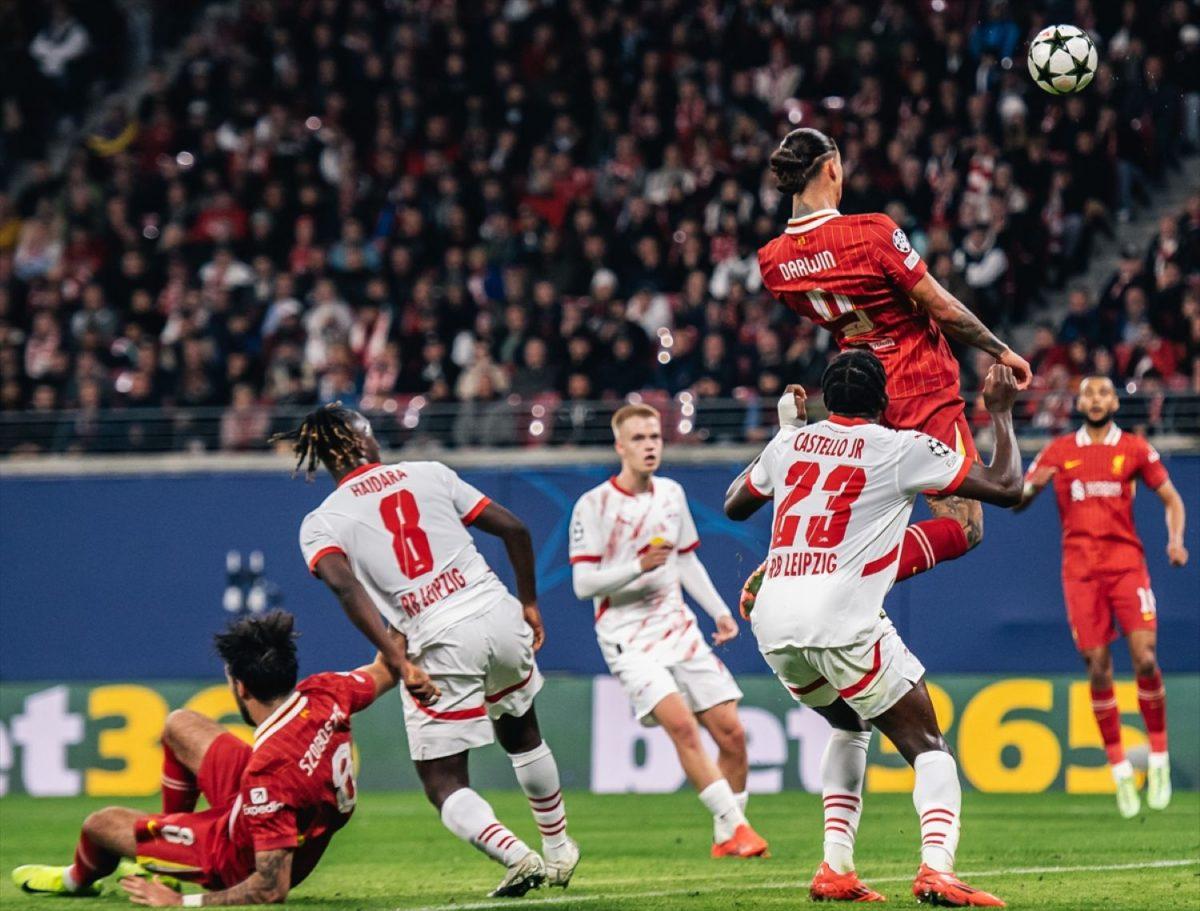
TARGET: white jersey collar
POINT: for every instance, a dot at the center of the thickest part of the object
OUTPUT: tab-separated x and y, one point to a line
812	220
1082	438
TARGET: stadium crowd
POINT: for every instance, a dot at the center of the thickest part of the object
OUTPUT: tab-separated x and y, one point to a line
561	202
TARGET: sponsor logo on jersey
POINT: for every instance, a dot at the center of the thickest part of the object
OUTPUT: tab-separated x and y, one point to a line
803	266
1072	463
1081	490
265	809
911	260
316	749
900	241
258	795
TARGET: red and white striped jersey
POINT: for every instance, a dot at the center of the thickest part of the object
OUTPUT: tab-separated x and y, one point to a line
403	529
851	274
843	491
611	526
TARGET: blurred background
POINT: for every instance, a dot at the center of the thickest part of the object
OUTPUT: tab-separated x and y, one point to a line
490	224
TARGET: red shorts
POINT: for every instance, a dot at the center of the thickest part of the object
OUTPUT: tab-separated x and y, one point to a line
1097	603
198	846
942	415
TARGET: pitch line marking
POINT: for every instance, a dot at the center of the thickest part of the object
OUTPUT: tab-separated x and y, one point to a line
751	886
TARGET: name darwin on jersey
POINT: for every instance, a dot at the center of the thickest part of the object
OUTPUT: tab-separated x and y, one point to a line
412	603
316	749
807	265
802	563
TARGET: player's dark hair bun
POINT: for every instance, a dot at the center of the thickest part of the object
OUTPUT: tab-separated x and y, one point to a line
855	384
799	157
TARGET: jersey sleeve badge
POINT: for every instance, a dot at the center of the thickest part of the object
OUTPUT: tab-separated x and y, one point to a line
900	241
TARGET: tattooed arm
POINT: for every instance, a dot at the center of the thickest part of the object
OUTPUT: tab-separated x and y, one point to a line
954	319
268	884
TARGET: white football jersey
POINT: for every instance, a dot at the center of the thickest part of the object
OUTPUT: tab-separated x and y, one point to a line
403	529
843	491
611	526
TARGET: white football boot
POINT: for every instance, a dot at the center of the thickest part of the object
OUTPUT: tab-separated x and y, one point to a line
1158	782
561	864
527	873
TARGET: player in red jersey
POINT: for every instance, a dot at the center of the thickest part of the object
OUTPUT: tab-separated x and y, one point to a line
1105	581
858	277
273	807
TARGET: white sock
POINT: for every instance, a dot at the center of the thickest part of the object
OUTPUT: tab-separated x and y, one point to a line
937	796
843	768
743	799
727	815
68	881
1122	770
1159	760
472	819
537	773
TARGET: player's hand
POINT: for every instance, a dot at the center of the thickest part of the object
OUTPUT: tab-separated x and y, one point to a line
792	407
533	617
655	556
1043	476
727	629
420	685
1000	389
1177	554
1019	366
750	591
150	892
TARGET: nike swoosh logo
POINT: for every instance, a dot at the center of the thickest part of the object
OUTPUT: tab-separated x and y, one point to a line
1074	463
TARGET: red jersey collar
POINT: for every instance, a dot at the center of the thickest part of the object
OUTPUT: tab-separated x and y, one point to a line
628	493
361	469
846	421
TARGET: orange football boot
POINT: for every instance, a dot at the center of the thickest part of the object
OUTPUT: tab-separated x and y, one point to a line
745	843
830	886
948	891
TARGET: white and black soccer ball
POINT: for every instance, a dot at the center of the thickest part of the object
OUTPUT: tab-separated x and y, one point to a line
1062	59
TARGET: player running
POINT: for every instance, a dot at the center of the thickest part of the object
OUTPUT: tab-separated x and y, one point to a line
393	539
633	544
843	490
1105	581
858	277
273	806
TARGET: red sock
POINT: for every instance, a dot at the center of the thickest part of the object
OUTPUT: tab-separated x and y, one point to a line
1108	718
1152	700
179	790
928	543
91	863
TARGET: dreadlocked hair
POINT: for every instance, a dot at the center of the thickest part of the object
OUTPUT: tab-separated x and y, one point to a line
855	385
326	434
799	157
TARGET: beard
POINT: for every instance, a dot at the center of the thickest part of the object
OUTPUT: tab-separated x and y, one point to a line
243	711
1096	423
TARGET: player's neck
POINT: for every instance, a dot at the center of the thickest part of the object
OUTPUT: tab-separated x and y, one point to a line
635	481
340	474
1098	434
812	201
261	711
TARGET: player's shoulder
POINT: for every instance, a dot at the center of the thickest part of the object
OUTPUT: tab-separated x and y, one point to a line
594	495
669	485
773	250
877	219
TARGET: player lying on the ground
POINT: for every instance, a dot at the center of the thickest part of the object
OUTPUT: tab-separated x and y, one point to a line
273	807
858	277
393	539
632	546
1105	580
843	490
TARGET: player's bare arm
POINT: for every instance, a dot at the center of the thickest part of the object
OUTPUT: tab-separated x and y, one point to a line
740	501
793	411
335	571
1000	482
267	885
498	521
1176	553
1035	484
958	322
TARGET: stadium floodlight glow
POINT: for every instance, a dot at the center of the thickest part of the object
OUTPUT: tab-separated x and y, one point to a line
664	357
688	409
938	6
313	123
185	159
538	411
150	232
411	419
679	237
685	426
537	428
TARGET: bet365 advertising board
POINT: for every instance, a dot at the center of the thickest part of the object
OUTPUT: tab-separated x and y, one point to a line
1010	734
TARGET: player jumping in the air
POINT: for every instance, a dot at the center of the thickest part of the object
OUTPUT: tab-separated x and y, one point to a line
1105	581
272	808
843	490
858	277
632	545
393	539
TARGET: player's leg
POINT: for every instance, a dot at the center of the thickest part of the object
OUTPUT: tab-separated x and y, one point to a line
1152	701
186	737
723	725
713	694
105	837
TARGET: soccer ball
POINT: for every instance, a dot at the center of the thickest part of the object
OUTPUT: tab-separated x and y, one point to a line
1062	59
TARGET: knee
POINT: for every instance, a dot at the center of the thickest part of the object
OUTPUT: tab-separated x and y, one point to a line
1099	668
178	722
731	737
1145	662
94	825
685	734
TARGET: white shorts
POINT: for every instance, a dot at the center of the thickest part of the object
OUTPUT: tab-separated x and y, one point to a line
871	677
702	680
485	668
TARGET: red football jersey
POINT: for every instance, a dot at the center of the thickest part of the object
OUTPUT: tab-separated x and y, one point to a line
298	788
1095	485
851	274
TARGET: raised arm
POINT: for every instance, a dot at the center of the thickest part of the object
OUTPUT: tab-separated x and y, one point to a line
1176	517
498	521
1000	482
268	884
958	322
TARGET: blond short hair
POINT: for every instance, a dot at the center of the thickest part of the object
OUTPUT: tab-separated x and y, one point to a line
640	410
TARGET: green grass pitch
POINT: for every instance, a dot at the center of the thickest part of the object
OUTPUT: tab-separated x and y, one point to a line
1046	851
